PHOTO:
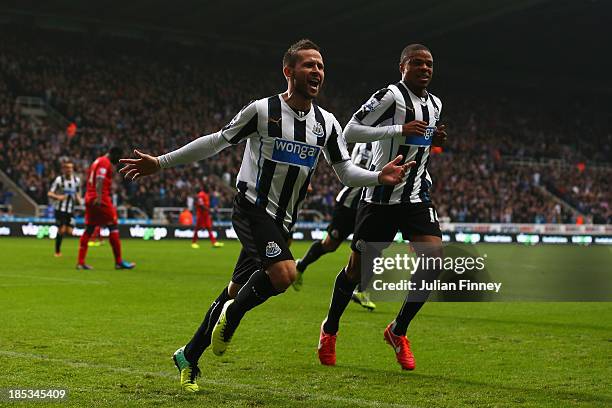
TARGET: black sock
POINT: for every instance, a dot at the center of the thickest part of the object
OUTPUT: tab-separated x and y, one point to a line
201	338
58	242
315	251
414	300
256	291
406	314
343	291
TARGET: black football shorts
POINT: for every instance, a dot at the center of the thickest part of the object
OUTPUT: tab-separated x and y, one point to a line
343	222
264	241
380	223
64	218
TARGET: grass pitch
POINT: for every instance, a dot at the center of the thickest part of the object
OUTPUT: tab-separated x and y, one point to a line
107	336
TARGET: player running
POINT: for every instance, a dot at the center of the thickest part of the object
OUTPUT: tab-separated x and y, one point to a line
99	208
203	219
284	135
401	119
340	227
66	190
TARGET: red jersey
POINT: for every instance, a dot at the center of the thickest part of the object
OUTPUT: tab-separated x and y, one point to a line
202	203
101	170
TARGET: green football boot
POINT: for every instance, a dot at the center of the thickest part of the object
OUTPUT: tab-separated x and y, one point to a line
221	335
188	372
363	300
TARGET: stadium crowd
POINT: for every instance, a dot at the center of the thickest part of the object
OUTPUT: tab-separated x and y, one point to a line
123	97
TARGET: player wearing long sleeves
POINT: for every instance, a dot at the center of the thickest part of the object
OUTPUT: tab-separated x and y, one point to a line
401	119
285	135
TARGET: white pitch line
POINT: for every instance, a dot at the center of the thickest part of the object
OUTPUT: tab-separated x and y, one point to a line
94	282
230	384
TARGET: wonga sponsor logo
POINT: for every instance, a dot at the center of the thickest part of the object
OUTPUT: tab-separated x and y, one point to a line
299	154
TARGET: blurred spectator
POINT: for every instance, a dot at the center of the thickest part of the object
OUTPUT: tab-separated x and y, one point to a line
496	167
186	217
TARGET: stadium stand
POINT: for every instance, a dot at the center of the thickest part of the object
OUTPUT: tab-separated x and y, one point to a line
503	163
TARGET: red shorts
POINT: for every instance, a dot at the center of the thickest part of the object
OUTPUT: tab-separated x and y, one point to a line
103	214
204	221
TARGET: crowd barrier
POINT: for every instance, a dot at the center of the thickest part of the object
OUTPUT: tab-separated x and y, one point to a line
452	232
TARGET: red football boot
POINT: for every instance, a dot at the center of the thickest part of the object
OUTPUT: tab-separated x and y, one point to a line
327	348
401	346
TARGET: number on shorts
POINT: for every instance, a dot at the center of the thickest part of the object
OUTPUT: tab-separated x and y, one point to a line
433	215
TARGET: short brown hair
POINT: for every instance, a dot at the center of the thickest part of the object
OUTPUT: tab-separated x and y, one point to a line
410	48
291	55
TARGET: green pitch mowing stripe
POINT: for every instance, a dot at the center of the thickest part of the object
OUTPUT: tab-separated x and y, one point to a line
108	336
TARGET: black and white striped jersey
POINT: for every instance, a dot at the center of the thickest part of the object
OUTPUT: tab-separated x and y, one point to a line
281	153
396	105
69	187
362	157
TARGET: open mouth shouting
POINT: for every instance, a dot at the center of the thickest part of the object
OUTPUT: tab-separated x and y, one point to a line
314	83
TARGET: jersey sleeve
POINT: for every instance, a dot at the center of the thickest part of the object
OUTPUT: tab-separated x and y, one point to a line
355	153
335	149
56	184
361	155
242	126
354	176
78	185
379	108
437	103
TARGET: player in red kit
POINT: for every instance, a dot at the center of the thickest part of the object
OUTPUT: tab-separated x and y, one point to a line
203	219
99	208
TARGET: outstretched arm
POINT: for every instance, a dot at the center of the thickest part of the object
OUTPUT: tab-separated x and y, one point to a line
243	126
354	176
201	148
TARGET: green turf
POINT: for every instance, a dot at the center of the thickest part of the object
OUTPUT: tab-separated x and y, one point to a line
108	337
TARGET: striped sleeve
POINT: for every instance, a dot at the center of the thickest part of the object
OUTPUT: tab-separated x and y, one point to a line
356	153
379	108
437	103
56	184
335	149
362	155
242	126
